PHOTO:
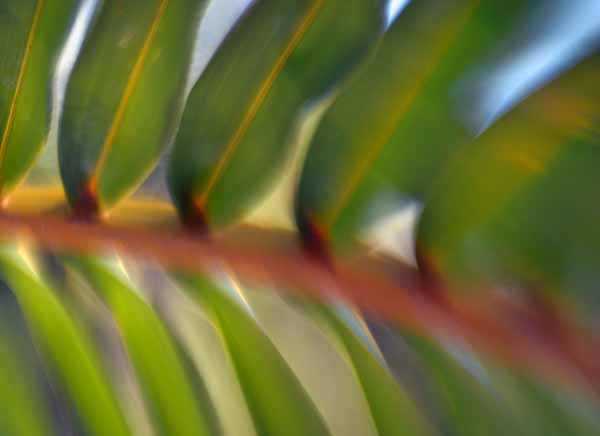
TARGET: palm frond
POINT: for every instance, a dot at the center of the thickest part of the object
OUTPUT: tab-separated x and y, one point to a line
124	313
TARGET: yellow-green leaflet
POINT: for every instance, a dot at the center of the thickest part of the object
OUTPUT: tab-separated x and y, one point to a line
123	97
236	127
393	410
22	409
64	344
166	386
276	400
31	35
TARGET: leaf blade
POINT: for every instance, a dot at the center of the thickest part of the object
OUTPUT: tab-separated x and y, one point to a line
233	135
467	405
33	32
264	376
501	210
22	412
119	115
392	408
66	348
156	361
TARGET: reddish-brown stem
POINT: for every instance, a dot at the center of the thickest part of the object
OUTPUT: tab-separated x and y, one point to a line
391	290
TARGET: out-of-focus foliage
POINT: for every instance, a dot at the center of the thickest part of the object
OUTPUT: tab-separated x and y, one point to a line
64	345
152	352
276	399
391	131
472	398
393	410
545	410
518	205
512	206
22	411
31	35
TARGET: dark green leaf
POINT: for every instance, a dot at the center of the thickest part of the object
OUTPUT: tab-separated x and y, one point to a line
236	125
32	32
124	96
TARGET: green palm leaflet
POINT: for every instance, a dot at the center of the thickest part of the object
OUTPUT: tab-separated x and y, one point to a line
275	397
239	117
31	35
73	360
153	352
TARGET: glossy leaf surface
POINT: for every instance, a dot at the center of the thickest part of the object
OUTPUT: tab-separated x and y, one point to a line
167	387
277	401
123	97
239	116
386	137
519	205
65	346
31	35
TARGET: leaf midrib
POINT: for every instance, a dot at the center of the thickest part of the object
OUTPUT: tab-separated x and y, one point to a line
22	69
256	102
125	97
